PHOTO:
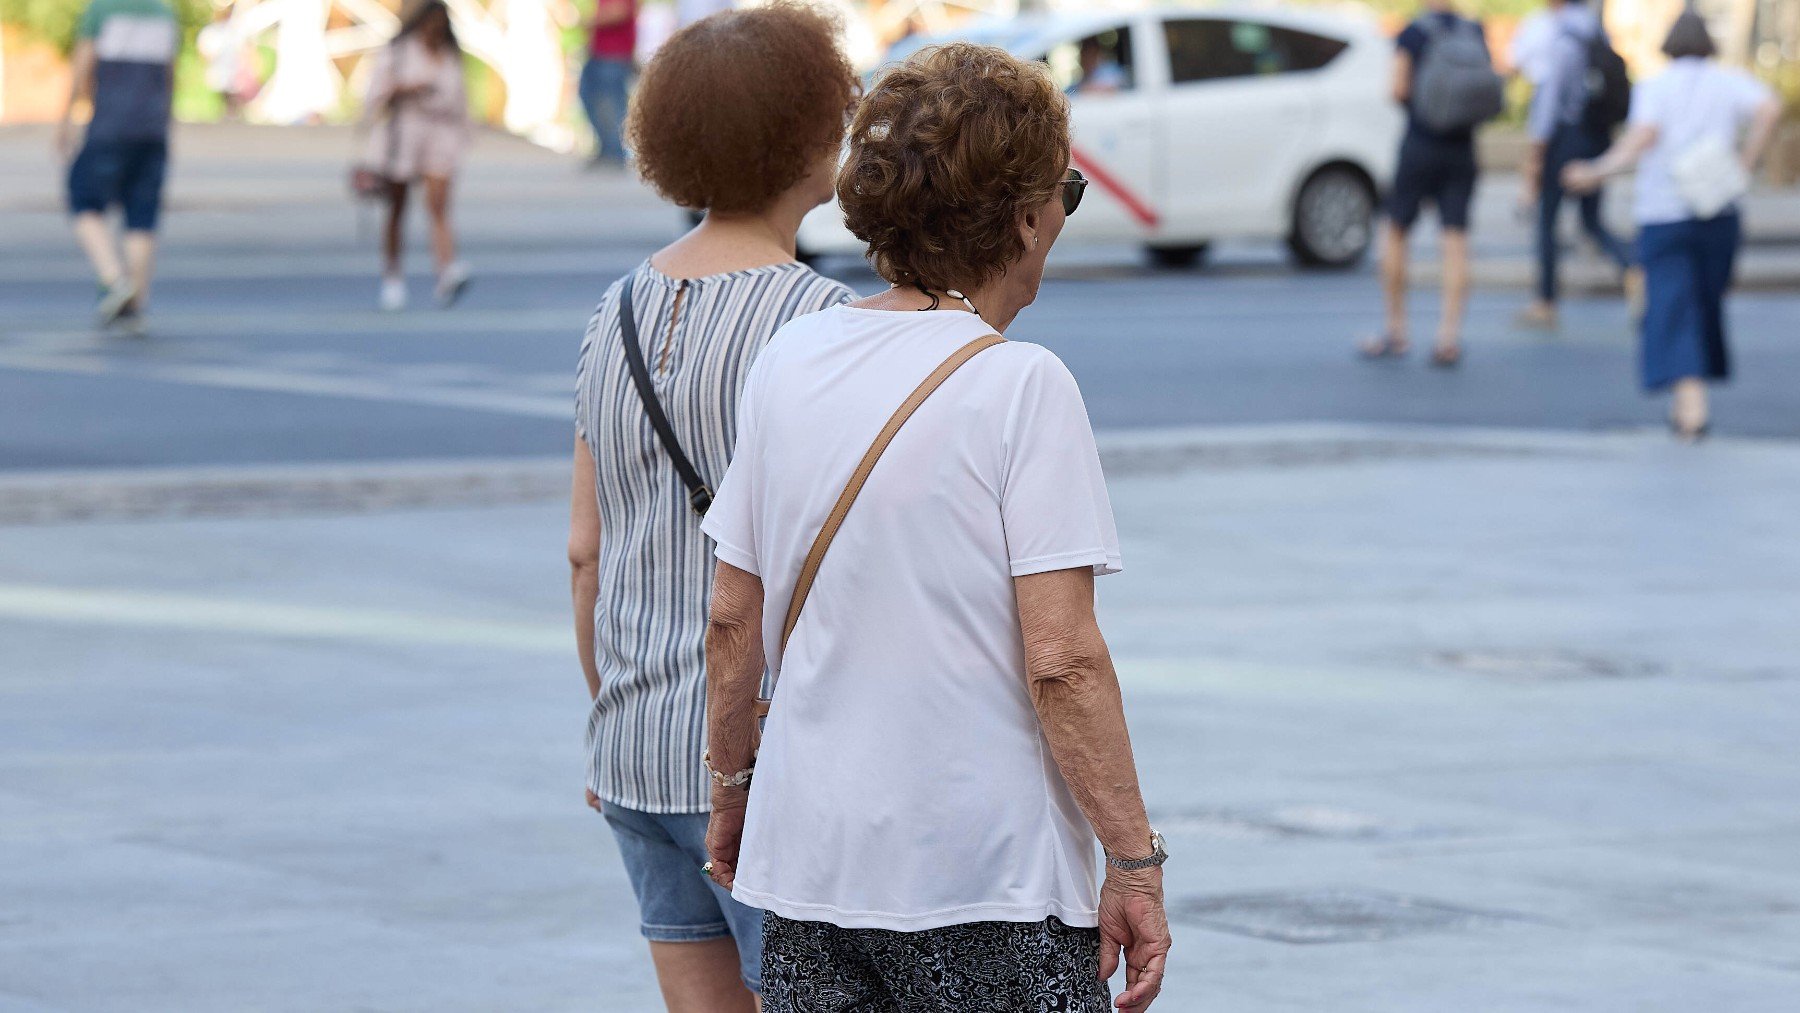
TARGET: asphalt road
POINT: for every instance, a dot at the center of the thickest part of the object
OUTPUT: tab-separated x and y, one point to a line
266	348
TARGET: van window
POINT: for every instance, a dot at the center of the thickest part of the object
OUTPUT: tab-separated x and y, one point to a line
1208	49
1095	64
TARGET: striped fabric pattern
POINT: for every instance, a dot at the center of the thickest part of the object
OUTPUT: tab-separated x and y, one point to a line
647	729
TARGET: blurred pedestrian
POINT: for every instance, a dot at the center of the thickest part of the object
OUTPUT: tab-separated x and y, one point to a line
606	76
1532	41
1574	112
1697	131
1438	59
123	64
947	737
231	70
418	94
740	114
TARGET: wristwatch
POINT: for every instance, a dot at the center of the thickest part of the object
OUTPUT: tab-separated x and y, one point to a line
1158	855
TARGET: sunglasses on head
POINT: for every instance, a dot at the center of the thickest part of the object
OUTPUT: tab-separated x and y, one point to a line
1073	186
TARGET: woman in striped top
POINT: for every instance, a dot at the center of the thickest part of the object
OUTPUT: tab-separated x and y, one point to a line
739	115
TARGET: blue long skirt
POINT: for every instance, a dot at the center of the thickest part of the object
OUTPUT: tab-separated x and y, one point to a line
1687	270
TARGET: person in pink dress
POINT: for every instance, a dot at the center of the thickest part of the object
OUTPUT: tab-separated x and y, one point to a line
420	104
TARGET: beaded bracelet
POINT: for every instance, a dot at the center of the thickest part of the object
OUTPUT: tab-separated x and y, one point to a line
737	780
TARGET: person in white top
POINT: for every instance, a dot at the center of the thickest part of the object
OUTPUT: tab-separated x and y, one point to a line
1531	44
1697	131
947	737
418	106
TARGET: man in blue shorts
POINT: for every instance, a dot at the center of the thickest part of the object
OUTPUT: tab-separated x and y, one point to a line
1436	167
124	65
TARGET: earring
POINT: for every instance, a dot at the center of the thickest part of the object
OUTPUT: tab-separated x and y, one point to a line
1034	242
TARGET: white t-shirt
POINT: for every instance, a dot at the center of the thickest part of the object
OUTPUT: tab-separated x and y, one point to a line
1532	46
904	781
1692	99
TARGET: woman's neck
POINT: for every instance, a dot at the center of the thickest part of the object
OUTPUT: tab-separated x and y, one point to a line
721	244
995	303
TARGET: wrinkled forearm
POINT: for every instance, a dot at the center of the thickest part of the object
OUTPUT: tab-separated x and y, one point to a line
734	668
1083	716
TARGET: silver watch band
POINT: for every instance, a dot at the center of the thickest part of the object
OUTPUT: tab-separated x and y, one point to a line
1158	855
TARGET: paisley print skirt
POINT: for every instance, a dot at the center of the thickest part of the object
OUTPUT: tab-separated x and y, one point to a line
978	967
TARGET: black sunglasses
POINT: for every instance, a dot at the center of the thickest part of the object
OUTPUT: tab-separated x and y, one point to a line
1072	189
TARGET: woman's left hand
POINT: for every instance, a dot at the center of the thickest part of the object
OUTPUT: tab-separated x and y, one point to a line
725	832
1580	177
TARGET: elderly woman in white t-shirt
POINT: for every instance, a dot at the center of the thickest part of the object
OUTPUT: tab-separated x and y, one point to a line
947	738
1697	131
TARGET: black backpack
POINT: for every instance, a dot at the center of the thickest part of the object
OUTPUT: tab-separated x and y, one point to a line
1607	85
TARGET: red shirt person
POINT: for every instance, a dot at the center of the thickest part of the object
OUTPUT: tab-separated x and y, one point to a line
606	77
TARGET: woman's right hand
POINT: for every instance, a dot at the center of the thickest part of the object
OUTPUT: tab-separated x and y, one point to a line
1133	922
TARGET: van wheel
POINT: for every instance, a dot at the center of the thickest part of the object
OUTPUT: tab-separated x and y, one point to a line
1334	218
1177	257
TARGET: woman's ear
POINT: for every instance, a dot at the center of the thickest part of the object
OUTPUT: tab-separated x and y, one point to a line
1028	227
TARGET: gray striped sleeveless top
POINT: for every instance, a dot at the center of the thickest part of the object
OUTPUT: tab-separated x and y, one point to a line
647	729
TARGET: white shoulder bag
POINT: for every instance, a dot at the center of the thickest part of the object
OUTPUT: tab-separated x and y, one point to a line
1708	173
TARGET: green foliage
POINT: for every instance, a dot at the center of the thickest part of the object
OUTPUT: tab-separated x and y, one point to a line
54	21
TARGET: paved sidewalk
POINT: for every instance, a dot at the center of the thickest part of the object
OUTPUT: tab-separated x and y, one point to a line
1435	720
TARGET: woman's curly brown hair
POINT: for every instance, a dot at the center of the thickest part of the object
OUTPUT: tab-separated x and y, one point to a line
947	152
735	108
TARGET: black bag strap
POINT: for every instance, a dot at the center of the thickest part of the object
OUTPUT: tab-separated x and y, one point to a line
699	495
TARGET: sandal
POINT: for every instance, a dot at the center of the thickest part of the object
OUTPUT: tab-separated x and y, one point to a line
1383	346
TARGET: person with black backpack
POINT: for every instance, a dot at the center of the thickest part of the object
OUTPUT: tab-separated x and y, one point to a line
1445	78
1581	102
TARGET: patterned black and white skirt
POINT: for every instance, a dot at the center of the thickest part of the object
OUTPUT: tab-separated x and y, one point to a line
978	967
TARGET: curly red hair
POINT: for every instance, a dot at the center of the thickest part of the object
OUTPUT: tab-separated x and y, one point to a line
947	152
736	107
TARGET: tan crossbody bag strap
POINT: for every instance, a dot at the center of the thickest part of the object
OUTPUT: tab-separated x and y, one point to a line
835	520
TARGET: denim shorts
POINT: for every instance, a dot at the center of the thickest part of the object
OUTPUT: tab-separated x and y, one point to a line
126	173
677	903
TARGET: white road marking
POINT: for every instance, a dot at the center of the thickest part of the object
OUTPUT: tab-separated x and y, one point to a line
363	388
378	325
168	612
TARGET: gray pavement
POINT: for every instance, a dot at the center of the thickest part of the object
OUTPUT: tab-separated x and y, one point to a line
1434	718
1454	691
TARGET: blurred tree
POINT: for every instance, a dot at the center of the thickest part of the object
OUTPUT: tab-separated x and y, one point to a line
54	21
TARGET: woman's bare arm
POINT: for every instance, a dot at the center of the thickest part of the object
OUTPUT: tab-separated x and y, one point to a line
1076	693
734	668
584	561
1762	128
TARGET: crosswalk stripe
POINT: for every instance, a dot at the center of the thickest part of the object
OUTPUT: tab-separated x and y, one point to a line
164	611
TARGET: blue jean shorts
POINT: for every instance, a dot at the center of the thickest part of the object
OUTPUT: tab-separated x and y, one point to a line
124	173
677	903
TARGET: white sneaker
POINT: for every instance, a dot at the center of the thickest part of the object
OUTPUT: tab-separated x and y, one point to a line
115	299
393	294
452	284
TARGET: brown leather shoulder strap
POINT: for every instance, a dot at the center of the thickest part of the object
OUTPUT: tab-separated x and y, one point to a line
835	520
